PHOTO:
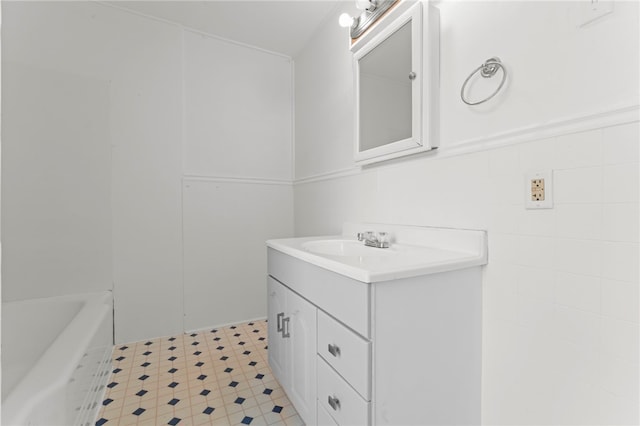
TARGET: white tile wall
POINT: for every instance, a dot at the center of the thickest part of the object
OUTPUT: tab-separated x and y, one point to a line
583	185
536	283
620	183
537	222
578	291
620	300
621	144
580	221
578	256
561	317
620	222
578	150
538	154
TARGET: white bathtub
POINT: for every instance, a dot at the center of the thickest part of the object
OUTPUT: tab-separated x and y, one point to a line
56	359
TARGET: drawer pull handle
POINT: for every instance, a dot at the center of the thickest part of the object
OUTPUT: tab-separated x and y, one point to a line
279	321
334	350
285	327
334	403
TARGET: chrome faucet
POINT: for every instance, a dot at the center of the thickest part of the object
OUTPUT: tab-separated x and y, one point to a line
374	239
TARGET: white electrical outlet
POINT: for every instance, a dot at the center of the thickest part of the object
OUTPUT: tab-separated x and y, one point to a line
538	189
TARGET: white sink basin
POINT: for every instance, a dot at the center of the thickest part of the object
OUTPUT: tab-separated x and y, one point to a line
345	248
414	251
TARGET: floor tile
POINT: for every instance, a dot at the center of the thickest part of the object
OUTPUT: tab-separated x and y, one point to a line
210	377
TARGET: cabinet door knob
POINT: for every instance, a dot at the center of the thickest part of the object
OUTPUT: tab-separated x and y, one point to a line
279	321
334	350
334	403
412	76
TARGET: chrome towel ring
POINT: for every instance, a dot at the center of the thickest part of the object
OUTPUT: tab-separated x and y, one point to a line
487	70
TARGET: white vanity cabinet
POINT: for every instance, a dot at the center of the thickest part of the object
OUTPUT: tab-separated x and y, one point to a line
372	336
292	347
415	358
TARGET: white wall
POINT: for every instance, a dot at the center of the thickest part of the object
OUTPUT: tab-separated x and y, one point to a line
146	134
237	189
225	228
237	111
560	321
324	118
556	73
56	210
136	56
557	70
177	105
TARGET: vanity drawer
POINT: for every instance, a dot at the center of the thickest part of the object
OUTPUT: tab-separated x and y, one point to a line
324	418
342	297
339	399
348	353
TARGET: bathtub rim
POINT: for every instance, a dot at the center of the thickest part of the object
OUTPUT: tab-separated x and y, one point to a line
65	352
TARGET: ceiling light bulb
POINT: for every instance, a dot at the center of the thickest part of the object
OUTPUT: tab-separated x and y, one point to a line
345	20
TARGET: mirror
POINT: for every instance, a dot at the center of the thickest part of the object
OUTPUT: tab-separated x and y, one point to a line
385	91
389	87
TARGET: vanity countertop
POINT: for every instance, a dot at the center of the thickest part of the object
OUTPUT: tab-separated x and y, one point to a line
413	251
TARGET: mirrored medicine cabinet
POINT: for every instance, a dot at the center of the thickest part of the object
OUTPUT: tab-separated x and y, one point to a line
395	76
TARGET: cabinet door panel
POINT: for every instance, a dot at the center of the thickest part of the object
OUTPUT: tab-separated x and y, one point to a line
276	293
302	345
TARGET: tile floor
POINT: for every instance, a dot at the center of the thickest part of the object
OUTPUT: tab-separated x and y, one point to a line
212	377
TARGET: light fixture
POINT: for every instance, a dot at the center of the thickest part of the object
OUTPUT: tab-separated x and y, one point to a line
346	21
372	10
369	5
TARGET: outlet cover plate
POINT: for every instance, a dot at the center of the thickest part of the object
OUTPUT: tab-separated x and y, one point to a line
538	189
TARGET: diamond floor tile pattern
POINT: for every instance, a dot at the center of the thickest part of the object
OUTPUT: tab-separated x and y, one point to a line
212	377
